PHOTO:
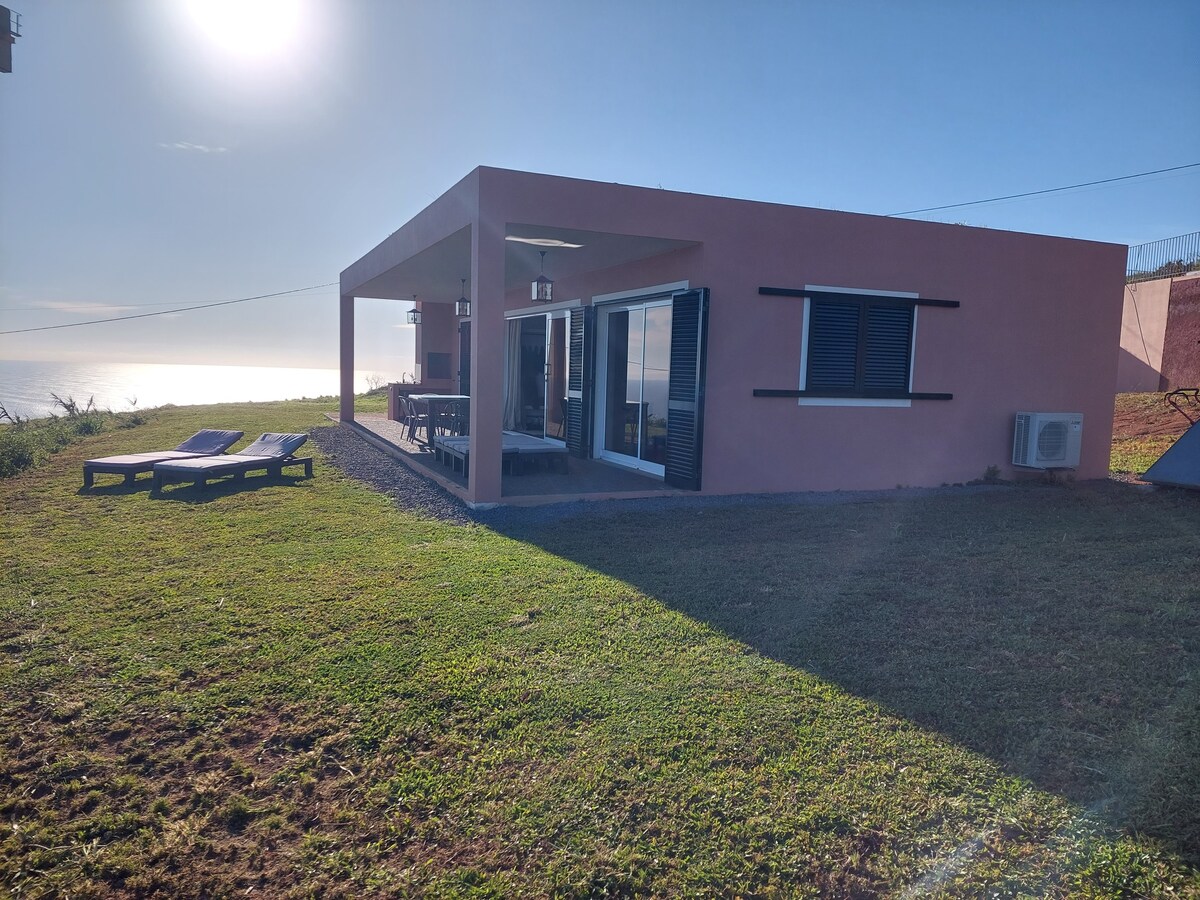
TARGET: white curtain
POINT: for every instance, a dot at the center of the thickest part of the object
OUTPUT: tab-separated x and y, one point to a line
512	375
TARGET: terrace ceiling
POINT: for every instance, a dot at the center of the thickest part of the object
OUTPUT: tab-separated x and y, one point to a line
434	274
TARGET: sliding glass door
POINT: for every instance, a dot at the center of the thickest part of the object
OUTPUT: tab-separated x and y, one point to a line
635	361
536	383
637	397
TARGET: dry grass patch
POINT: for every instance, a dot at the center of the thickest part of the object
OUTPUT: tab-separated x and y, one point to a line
1144	428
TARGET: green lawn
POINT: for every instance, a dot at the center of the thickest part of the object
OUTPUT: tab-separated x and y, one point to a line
1146	426
1133	456
295	687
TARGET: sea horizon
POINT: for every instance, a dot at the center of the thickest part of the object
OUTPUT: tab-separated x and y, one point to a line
27	386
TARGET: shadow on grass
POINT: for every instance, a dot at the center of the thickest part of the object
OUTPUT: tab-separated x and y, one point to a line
116	489
215	490
1056	630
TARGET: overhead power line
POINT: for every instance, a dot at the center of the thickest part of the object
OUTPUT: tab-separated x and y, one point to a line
120	306
166	312
1055	190
910	212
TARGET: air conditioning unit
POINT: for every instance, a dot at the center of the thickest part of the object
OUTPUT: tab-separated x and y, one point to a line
1047	440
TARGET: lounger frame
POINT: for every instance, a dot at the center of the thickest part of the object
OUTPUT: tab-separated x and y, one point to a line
129	465
238	468
133	464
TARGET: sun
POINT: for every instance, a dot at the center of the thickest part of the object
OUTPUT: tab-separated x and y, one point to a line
250	30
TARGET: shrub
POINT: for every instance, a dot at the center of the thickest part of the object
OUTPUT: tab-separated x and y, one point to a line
25	443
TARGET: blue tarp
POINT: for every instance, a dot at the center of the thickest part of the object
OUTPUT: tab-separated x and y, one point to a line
1180	465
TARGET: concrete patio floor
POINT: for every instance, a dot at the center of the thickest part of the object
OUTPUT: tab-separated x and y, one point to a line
585	479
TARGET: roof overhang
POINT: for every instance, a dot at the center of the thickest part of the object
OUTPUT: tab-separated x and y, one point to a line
435	273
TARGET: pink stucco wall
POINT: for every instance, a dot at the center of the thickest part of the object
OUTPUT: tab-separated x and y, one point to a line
1143	329
1160	335
439	334
1037	330
1039	321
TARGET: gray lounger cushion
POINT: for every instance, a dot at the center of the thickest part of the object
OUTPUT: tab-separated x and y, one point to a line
260	455
275	445
209	442
270	453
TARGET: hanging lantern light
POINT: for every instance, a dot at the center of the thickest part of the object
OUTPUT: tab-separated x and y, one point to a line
414	314
462	306
543	287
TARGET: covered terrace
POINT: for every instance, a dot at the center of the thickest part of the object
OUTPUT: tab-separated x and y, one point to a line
490	229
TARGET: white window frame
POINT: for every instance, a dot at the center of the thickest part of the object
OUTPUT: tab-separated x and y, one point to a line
673	287
655	295
524	311
854	401
549	312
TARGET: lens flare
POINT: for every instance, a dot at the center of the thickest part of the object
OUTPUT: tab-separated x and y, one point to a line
249	30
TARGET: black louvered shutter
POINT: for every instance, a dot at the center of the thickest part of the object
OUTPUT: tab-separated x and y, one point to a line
889	346
580	390
833	345
685	396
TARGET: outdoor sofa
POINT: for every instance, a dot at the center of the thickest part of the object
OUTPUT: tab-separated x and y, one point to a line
270	453
515	450
208	442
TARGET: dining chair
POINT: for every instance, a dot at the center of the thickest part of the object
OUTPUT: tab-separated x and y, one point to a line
413	419
455	418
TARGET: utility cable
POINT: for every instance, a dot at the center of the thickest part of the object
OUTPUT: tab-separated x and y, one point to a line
1068	187
116	306
909	212
165	312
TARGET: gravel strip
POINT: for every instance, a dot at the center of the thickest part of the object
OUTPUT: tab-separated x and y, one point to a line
363	462
360	460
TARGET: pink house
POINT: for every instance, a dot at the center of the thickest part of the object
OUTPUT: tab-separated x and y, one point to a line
728	346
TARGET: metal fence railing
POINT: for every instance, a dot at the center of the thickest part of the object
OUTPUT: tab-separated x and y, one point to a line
1161	259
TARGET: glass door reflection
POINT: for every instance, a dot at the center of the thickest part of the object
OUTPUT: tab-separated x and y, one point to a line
556	379
637	366
536	378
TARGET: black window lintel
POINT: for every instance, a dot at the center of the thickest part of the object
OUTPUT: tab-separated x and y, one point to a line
845	295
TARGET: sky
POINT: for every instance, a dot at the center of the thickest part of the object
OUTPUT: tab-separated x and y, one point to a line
164	153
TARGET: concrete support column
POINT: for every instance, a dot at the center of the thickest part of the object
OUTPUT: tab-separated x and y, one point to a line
488	338
346	334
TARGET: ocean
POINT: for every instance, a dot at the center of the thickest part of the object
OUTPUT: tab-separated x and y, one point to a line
25	387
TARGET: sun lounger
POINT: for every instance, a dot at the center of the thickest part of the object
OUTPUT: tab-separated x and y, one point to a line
270	453
203	443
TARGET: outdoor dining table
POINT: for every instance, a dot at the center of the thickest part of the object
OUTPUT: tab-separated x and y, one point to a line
433	404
